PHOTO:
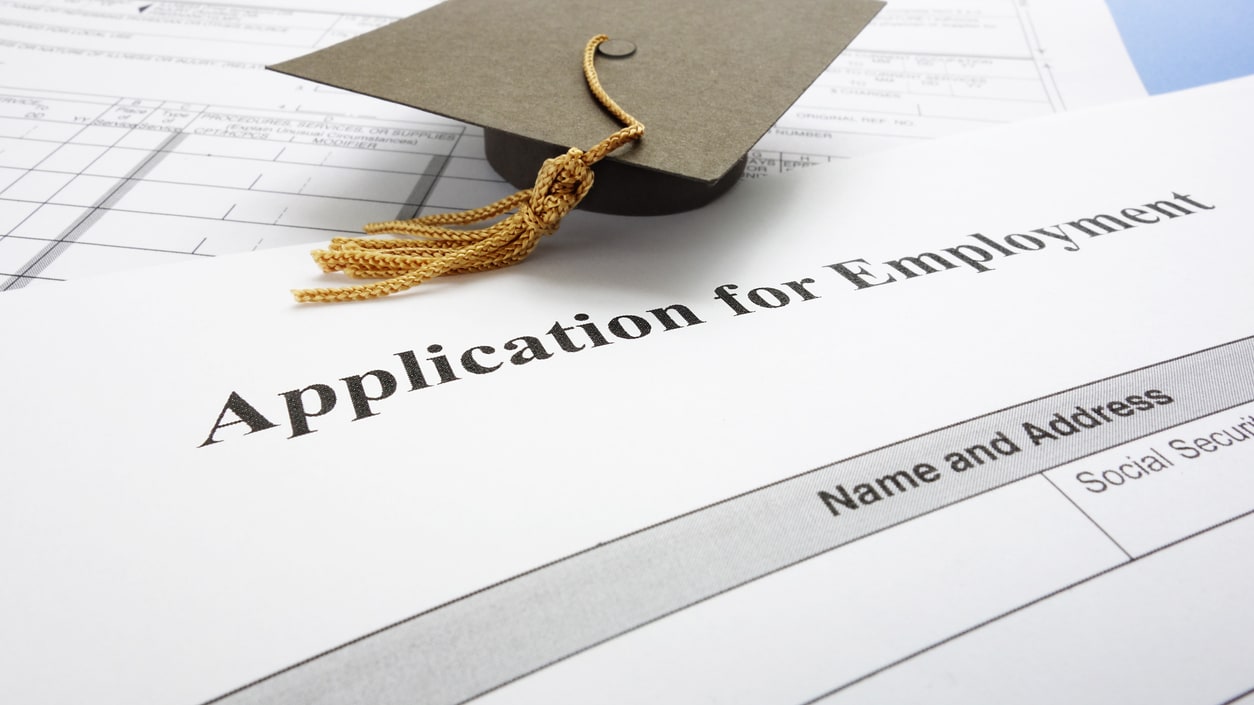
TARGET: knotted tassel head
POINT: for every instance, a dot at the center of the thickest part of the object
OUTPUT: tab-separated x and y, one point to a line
560	185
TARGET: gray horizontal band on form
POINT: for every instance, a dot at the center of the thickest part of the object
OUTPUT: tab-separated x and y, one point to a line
475	644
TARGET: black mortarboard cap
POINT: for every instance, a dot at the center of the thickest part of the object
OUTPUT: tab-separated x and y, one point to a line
707	78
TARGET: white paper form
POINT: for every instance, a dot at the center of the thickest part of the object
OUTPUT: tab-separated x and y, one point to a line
147	132
140	133
803	444
924	69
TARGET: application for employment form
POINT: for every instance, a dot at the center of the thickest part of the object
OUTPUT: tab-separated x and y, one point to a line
144	133
804	445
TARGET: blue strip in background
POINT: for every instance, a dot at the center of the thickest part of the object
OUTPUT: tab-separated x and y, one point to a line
1185	43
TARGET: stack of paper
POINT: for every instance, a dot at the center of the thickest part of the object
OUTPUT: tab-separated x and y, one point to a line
964	422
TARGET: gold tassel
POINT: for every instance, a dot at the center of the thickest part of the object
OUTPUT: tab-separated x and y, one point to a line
437	249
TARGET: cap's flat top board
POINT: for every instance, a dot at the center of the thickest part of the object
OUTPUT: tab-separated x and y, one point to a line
708	77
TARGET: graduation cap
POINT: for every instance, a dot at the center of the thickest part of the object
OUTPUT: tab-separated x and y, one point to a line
706	77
